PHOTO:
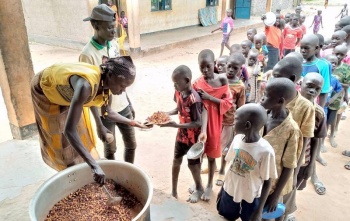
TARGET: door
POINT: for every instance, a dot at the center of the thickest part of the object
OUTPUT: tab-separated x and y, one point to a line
242	9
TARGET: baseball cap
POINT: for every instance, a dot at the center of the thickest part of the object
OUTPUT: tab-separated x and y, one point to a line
101	13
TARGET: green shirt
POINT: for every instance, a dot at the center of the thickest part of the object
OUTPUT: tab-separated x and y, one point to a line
343	73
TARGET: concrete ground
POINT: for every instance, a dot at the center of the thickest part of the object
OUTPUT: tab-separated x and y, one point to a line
23	170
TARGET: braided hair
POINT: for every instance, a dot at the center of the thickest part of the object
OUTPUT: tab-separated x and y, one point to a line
122	66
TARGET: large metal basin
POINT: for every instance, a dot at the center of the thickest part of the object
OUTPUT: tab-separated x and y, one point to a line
75	177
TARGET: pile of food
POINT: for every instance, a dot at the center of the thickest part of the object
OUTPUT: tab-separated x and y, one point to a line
89	203
158	118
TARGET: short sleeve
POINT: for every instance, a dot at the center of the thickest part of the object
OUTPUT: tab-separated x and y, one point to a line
85	58
231	152
196	111
325	72
268	168
338	88
300	33
308	121
321	131
231	23
241	97
293	149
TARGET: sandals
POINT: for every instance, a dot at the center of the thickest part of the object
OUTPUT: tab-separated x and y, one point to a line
346	153
220	180
320	188
347	166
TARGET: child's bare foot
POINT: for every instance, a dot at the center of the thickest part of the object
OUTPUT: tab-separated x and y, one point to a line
332	141
174	194
321	161
207	192
323	148
192	188
195	196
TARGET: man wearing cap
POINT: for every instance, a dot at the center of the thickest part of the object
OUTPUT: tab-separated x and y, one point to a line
103	43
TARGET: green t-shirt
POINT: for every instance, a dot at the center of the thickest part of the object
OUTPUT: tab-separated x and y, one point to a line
343	73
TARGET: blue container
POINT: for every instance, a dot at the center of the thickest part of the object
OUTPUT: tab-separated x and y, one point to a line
280	209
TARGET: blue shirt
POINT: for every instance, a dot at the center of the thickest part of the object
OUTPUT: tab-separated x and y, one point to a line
323	68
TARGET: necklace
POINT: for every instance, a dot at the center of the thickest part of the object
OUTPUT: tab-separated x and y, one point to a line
105	98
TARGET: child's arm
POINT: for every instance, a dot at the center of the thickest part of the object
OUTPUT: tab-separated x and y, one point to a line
130	106
256	216
300	160
216	30
313	21
196	118
172	112
203	135
321	22
334	97
272	200
315	142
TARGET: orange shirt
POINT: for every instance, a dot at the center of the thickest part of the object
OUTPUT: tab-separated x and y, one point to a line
273	36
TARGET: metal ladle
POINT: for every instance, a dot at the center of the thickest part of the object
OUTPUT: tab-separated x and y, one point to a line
112	201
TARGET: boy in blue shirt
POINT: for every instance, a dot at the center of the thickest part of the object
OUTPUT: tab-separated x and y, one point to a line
308	48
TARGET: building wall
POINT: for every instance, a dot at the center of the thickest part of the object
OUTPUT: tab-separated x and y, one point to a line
258	7
58	22
184	13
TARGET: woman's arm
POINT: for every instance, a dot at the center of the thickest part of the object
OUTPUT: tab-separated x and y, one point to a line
82	91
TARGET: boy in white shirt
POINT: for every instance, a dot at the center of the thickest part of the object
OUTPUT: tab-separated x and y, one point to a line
248	181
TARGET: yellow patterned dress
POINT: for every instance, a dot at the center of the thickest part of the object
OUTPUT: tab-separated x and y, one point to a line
52	95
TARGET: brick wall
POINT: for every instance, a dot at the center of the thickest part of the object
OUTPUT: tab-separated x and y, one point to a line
258	7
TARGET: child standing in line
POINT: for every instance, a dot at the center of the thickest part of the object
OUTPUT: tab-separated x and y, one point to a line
253	69
237	88
291	35
284	135
309	46
237	48
310	89
252	168
227	28
338	38
262	61
317	22
217	100
251	33
335	100
342	71
123	20
303	114
246	45
189	109
221	64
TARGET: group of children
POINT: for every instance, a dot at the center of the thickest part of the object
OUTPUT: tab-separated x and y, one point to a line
268	125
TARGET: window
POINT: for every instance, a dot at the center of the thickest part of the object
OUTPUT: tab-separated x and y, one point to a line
160	5
212	2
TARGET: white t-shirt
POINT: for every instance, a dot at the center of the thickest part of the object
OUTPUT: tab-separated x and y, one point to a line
93	56
250	165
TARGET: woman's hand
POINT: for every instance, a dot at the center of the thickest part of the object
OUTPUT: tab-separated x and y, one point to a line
99	175
102	133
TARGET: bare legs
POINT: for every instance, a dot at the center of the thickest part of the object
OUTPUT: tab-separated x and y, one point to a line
207	192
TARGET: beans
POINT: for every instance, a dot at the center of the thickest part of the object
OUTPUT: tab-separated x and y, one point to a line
89	203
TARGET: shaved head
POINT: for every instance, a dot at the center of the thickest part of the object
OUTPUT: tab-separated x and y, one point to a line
289	67
341	48
310	39
205	54
314	76
183	71
296	55
281	87
344	21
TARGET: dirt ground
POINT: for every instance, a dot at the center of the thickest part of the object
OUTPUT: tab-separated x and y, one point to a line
153	90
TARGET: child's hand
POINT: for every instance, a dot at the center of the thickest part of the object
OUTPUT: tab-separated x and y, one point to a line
204	95
202	137
140	125
169	124
272	202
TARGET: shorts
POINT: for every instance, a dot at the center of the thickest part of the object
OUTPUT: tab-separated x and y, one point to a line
225	39
227	135
181	150
301	183
331	116
232	210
